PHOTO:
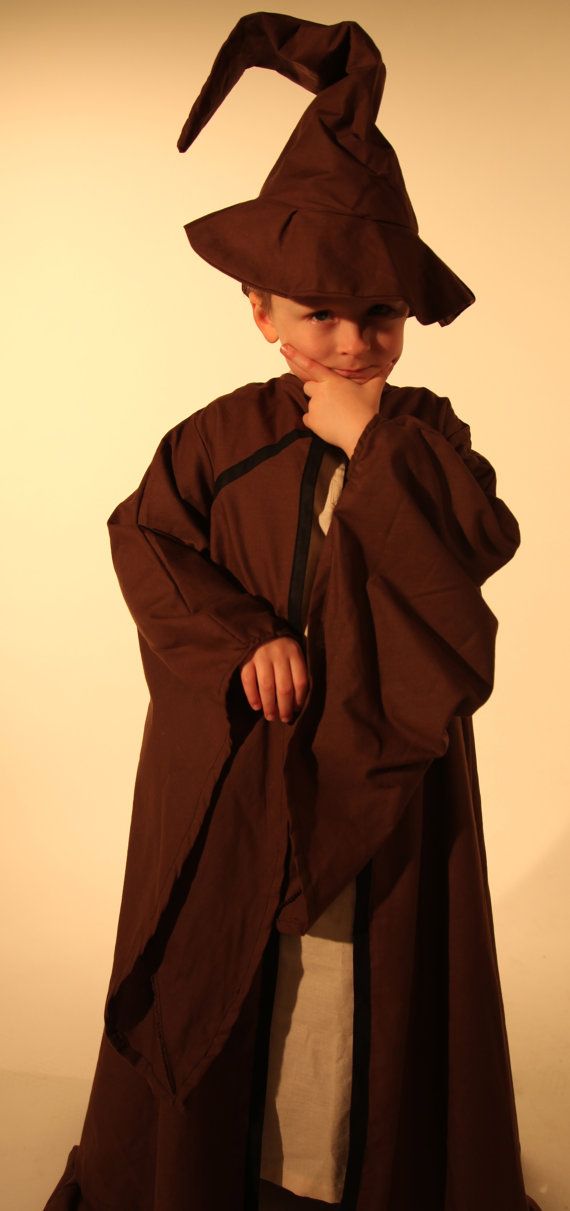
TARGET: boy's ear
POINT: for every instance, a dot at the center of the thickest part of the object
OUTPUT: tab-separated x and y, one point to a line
262	319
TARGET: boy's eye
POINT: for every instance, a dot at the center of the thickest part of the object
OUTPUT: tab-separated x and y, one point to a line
383	309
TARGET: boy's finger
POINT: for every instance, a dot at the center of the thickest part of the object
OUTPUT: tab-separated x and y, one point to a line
284	688
259	688
266	684
300	678
372	389
313	369
286	703
249	682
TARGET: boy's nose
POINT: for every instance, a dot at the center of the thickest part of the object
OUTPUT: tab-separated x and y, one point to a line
352	338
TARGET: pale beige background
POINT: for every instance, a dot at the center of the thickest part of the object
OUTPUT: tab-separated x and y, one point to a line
114	330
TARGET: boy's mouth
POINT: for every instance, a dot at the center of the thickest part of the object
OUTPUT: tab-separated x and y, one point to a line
352	373
363	370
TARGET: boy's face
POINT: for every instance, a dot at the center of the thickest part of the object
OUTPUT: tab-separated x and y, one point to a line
362	335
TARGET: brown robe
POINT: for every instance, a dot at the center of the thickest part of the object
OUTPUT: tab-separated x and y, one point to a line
244	829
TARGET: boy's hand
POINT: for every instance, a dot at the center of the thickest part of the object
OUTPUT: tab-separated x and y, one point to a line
338	409
276	678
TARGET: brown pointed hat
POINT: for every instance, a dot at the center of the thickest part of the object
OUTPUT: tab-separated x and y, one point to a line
333	217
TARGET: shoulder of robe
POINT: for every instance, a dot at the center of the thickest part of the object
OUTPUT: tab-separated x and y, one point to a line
428	408
234	425
422	403
436	411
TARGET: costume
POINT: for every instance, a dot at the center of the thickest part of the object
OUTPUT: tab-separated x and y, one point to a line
247	833
400	652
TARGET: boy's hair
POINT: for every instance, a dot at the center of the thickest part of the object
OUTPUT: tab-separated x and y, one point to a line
264	294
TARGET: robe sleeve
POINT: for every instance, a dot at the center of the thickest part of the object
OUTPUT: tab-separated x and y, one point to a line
405	643
193	613
425	507
458	434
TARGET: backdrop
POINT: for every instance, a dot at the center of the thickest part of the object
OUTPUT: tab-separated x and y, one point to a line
114	330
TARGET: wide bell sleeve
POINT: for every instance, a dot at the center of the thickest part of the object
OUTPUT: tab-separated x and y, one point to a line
193	613
196	625
401	641
439	532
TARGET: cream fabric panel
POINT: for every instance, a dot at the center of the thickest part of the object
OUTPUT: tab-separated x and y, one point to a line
306	1124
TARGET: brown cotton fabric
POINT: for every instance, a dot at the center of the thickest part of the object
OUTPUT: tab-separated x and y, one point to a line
244	830
333	217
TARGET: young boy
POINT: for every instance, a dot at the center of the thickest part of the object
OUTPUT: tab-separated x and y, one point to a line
306	1121
305	1007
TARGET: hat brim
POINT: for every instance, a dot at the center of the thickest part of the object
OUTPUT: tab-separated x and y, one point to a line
304	252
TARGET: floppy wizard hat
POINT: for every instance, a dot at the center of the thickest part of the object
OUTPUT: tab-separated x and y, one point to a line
333	217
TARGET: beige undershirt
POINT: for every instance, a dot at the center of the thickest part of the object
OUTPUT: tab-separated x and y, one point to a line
307	1106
